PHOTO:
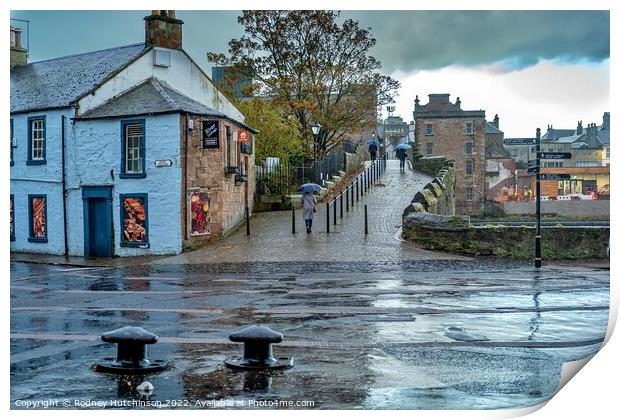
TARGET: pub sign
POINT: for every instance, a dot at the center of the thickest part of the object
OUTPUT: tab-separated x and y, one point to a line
210	134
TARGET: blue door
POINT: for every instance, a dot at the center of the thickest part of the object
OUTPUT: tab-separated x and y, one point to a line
97	221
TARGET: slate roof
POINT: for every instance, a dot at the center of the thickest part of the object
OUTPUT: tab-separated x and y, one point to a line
556	133
581	141
603	136
56	83
491	129
153	96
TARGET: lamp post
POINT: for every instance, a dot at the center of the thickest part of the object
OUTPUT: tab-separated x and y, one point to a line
316	129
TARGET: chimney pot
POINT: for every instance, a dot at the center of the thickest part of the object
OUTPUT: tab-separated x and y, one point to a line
19	55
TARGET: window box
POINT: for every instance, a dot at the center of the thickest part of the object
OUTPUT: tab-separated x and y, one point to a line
36	141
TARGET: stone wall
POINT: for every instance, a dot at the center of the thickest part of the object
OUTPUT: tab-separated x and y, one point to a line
438	196
569	208
453	234
206	171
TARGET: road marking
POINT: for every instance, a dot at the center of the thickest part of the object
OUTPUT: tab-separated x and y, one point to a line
340	345
27	288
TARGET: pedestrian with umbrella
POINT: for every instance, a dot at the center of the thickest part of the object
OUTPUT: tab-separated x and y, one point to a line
401	154
308	201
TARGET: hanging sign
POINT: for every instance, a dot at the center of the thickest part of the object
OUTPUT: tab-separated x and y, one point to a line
243	136
210	134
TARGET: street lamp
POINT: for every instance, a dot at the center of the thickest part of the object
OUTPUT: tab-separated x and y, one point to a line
316	129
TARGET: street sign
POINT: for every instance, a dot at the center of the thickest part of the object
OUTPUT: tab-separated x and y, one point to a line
519	141
554	177
551	155
532	170
165	163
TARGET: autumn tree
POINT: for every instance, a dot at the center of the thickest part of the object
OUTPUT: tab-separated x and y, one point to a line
314	69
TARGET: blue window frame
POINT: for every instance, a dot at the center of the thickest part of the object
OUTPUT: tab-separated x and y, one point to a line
133	149
12	214
37	217
134	220
36	141
11	140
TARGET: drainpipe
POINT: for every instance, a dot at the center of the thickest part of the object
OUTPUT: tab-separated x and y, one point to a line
184	198
64	186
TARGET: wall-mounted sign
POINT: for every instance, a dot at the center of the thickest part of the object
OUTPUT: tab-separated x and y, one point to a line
554	177
210	134
243	136
552	155
163	163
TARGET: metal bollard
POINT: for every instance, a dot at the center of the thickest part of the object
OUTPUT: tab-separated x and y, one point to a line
131	353
352	188
365	219
335	203
257	349
327	215
293	222
247	221
362	182
357	189
347	192
341	208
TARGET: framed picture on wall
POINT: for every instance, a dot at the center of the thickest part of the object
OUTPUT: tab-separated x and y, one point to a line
134	220
199	212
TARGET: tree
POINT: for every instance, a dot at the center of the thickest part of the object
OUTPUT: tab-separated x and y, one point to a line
314	69
277	136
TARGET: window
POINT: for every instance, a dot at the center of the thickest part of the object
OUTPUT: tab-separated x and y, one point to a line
231	151
37	218
12	214
469	148
429	149
134	219
469	167
429	129
12	141
36	143
469	128
469	194
133	149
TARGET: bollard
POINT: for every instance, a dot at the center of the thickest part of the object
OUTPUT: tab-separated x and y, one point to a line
347	192
365	219
327	215
341	208
352	188
357	189
362	187
131	353
247	221
293	222
257	349
335	203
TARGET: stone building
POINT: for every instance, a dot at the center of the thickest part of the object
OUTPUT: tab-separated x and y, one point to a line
443	128
124	152
500	165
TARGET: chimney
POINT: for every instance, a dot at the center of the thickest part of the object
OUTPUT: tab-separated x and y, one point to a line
591	130
163	30
579	128
458	102
605	121
496	121
19	55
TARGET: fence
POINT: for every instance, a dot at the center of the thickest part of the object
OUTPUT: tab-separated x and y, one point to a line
281	178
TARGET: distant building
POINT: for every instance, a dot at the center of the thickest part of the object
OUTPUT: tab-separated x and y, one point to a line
442	128
500	165
393	131
239	83
127	151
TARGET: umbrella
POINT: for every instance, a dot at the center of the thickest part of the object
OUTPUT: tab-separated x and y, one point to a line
310	187
375	142
403	146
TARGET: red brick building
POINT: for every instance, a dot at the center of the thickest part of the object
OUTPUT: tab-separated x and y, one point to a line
442	128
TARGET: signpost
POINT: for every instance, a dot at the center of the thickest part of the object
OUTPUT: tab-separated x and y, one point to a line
519	141
554	177
538	239
551	155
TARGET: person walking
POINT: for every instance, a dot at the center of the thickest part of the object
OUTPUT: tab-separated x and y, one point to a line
372	149
402	156
308	201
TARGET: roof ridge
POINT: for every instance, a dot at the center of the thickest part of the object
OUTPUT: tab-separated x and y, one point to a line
85	53
157	84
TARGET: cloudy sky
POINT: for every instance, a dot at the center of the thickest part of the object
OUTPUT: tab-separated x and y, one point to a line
533	68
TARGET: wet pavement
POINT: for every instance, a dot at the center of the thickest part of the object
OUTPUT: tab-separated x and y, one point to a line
465	334
373	323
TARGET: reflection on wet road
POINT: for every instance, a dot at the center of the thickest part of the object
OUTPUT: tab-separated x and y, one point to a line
409	334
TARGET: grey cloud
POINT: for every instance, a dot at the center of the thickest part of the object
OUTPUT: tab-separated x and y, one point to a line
419	40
